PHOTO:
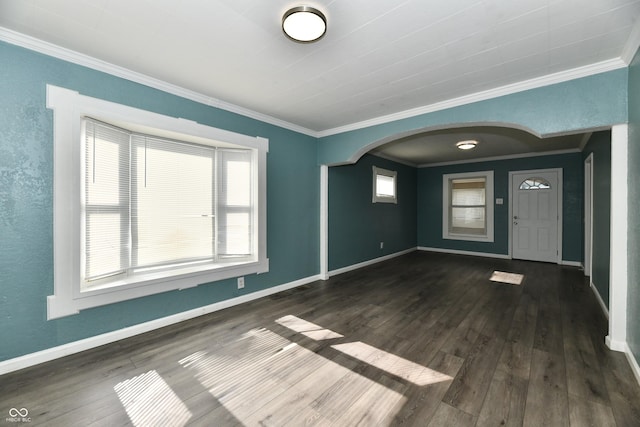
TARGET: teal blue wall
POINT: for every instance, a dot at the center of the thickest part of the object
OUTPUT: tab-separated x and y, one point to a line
633	292
26	216
600	145
596	101
430	203
356	225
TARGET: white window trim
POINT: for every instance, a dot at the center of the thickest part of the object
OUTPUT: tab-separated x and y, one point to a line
384	199
68	109
446	178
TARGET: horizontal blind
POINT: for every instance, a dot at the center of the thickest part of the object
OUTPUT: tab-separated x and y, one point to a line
106	198
468	206
468	192
154	202
172	199
235	203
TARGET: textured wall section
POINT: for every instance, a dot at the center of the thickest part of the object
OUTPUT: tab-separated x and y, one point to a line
26	260
26	203
430	203
600	145
587	103
356	225
633	261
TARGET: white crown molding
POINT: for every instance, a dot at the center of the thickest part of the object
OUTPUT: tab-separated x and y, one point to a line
632	45
32	43
41	46
550	79
505	157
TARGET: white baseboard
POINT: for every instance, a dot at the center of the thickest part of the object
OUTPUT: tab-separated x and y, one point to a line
486	255
572	263
603	306
109	337
615	345
369	262
457	252
632	362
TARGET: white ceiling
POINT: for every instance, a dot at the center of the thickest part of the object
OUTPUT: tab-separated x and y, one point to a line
378	58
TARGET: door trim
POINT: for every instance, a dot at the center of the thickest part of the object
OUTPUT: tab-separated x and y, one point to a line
558	171
588	214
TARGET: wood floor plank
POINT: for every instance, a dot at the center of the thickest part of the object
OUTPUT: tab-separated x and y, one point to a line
623	390
449	416
549	333
466	333
523	324
505	402
547	399
389	400
338	397
584	413
422	402
584	376
468	389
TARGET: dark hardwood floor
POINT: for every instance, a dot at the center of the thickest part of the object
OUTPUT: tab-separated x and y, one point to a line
424	339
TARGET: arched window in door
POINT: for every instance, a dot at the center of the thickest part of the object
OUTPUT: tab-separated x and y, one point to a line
535	184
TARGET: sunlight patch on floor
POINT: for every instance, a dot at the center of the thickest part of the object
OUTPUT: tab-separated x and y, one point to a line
395	365
265	378
509	278
308	329
149	400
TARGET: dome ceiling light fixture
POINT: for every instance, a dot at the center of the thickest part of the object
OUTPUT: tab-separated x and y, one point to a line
467	145
304	24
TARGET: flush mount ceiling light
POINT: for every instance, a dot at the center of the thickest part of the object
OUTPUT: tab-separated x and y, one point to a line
304	24
467	145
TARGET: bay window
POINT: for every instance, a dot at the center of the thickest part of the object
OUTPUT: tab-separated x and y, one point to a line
146	203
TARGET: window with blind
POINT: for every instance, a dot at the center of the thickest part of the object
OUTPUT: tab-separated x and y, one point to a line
467	207
153	203
145	203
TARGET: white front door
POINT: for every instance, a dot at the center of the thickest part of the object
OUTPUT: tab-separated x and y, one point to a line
535	218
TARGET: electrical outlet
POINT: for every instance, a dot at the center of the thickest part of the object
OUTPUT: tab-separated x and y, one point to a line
381	245
240	282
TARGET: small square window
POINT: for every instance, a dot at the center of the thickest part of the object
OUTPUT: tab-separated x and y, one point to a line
384	186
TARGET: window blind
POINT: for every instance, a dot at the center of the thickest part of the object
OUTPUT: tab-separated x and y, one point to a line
152	202
235	207
468	206
172	202
106	188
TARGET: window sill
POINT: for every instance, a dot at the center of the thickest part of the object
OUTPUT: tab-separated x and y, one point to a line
380	199
66	305
468	237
